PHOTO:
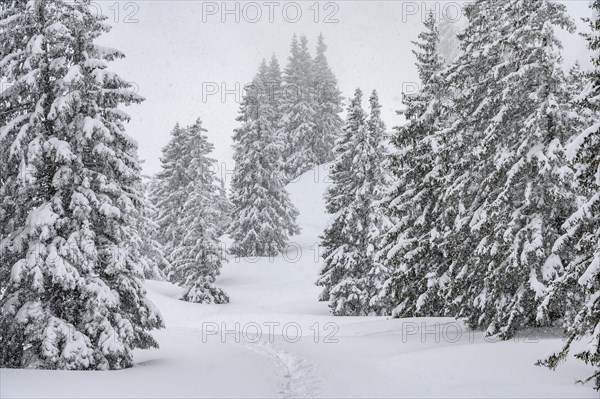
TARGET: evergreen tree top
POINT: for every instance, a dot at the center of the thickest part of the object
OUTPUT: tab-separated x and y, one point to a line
428	59
356	100
304	45
274	70
321	47
294	48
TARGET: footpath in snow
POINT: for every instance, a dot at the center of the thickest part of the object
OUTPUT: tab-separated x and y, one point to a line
276	340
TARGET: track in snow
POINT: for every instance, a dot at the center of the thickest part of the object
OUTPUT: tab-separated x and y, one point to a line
299	377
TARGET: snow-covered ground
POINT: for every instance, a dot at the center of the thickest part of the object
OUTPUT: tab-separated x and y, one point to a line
276	340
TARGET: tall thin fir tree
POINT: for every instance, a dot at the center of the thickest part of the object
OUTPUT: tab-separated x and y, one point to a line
190	203
298	130
371	195
152	253
352	276
581	277
198	256
70	198
263	215
274	89
328	98
410	248
275	96
336	197
168	190
224	206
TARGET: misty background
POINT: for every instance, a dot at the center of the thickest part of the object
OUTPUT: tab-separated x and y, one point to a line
182	55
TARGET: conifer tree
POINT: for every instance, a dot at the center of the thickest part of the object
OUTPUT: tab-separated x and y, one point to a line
523	186
352	276
575	81
168	191
70	198
580	282
490	186
411	247
274	89
152	254
328	123
190	203
471	84
263	216
224	207
298	130
275	96
311	102
337	199
371	195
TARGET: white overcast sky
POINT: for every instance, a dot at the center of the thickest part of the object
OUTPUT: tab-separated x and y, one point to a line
178	47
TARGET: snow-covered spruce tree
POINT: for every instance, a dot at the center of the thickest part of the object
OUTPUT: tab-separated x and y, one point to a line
411	249
274	89
328	123
167	192
224	207
195	254
470	84
352	276
336	198
581	277
298	131
576	82
263	216
519	188
69	199
152	254
275	96
376	181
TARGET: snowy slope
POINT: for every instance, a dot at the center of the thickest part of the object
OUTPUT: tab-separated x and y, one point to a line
204	353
